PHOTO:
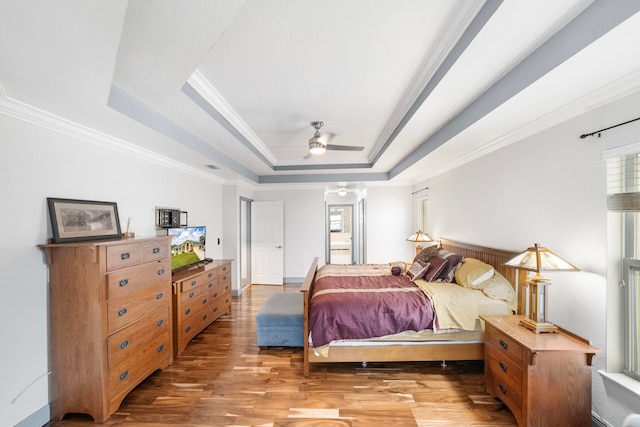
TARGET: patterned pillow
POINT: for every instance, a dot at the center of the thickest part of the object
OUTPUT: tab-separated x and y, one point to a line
436	265
417	270
426	254
454	262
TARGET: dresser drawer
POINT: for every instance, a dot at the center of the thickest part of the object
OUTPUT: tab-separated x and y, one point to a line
122	256
220	290
221	305
135	338
195	324
124	311
201	279
194	305
130	280
125	376
155	250
502	346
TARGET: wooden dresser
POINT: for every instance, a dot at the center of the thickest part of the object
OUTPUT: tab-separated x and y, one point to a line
544	379
110	321
200	296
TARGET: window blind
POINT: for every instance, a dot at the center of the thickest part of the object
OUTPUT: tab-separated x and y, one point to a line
623	183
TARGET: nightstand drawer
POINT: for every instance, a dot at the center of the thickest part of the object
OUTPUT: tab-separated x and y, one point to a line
504	380
502	346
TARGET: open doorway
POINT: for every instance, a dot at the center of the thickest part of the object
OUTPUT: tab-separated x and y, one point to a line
340	232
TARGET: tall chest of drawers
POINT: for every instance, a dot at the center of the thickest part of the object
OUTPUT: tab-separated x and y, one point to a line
110	321
200	296
544	379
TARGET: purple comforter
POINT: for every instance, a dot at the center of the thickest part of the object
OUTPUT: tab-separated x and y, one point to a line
356	307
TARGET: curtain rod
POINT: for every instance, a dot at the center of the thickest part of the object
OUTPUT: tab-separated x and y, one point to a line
584	135
415	192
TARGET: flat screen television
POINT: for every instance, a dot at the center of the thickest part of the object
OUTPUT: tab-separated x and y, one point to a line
188	245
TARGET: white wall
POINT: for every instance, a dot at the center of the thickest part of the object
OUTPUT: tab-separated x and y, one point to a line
36	163
549	189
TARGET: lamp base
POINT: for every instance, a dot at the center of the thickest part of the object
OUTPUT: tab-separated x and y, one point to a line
539	327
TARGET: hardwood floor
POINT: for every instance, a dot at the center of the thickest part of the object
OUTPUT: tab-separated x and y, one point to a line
224	379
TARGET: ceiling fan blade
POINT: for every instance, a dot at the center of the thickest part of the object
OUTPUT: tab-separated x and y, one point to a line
344	147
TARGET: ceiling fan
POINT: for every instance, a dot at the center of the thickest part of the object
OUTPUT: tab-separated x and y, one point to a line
316	146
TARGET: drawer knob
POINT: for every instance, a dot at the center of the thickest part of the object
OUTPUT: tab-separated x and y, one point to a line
122	311
191	294
503	366
210	274
161	272
205	317
188	328
124	375
124	282
204	301
224	278
187	311
215	309
160	348
160	322
215	294
125	255
210	285
226	288
503	344
226	301
224	268
156	250
159	296
193	283
124	344
502	388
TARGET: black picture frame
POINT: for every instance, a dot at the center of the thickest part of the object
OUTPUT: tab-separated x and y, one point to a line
83	220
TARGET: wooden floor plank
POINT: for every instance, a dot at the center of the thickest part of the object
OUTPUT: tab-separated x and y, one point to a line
224	379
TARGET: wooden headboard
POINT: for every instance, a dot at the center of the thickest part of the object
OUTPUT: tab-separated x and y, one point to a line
495	258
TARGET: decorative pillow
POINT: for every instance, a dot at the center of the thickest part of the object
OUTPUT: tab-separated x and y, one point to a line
401	265
473	272
426	254
436	265
454	262
417	270
396	271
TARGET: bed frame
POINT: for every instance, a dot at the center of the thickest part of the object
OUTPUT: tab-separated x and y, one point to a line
429	351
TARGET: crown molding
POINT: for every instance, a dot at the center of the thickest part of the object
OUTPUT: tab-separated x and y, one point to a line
605	95
41	118
201	85
458	22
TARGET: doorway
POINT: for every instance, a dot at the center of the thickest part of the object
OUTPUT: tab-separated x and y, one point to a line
340	232
245	243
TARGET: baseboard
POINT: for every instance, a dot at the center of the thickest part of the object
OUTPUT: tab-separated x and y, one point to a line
596	421
39	418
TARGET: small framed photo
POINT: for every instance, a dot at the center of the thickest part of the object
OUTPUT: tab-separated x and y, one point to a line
81	220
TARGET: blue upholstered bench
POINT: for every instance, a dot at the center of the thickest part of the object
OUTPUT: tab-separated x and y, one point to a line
280	321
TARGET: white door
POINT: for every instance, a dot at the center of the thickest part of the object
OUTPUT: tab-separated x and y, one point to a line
267	254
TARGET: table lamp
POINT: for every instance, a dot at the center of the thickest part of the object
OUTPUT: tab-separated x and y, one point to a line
419	238
539	259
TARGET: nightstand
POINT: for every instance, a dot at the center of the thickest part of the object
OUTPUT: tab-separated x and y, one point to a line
544	379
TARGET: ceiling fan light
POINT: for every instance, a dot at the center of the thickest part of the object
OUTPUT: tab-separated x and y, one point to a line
315	146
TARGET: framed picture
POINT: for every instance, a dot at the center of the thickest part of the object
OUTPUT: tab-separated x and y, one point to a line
79	220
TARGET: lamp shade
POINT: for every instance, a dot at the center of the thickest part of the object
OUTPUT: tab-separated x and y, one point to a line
315	145
538	258
419	237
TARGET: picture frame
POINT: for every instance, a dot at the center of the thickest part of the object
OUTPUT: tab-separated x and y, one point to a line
83	220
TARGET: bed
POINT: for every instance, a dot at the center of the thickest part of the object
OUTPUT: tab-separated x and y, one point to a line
435	336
